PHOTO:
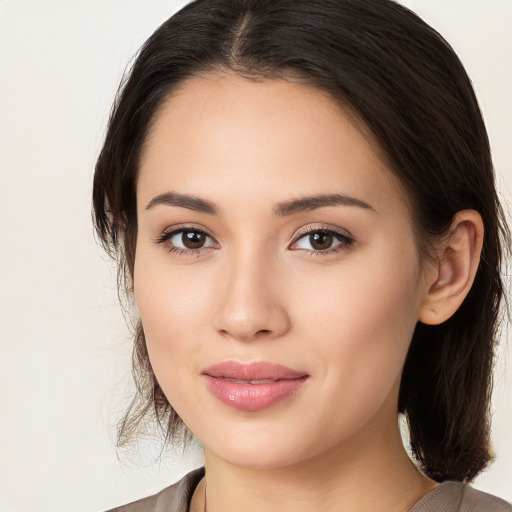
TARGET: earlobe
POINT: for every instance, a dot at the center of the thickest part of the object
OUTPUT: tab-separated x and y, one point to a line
452	277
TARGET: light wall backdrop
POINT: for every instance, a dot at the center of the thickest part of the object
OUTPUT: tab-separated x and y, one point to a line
65	349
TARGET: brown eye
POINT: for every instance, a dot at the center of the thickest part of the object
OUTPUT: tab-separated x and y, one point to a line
321	241
186	241
193	239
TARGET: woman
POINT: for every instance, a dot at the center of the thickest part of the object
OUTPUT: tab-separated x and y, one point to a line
302	199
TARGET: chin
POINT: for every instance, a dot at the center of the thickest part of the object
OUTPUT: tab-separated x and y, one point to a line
258	460
269	450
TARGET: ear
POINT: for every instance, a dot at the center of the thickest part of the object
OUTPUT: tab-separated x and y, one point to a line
451	278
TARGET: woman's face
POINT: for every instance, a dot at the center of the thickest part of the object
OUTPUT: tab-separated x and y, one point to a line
250	270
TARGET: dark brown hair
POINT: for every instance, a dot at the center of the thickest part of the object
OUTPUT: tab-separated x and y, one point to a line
409	89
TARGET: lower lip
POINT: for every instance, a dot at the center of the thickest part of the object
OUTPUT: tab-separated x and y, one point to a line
253	397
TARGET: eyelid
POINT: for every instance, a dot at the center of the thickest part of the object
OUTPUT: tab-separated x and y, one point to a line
322	227
171	230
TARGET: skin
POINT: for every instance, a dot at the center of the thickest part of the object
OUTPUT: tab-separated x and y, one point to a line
254	293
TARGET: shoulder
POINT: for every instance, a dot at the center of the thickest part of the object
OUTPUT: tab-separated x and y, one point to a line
475	501
452	496
175	498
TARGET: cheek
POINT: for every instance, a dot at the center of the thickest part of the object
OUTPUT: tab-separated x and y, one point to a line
174	304
362	327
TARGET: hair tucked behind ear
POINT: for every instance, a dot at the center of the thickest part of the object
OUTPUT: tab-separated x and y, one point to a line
407	86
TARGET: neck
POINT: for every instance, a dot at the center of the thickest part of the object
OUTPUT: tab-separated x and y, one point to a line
372	472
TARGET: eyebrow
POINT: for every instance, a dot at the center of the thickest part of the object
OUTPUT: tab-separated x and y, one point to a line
302	204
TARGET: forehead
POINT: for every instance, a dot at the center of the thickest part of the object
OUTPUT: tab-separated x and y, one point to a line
224	135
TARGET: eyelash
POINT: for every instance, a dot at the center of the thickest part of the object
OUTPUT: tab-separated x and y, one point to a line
344	239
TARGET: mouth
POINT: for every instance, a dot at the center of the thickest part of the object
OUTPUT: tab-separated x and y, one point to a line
254	382
252	372
254	386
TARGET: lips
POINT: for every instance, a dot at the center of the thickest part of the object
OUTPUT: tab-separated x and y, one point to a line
254	386
253	371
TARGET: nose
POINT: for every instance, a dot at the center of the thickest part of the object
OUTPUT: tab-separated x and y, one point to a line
250	304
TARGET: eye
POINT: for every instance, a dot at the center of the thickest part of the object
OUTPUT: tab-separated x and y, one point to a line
322	241
186	241
191	241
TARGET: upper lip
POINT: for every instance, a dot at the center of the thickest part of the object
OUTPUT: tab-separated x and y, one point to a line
252	371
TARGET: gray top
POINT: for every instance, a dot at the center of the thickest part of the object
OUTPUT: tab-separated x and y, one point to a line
449	496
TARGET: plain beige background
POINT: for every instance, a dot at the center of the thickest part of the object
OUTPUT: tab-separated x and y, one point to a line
65	350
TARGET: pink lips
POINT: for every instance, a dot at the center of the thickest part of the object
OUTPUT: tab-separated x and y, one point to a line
254	386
